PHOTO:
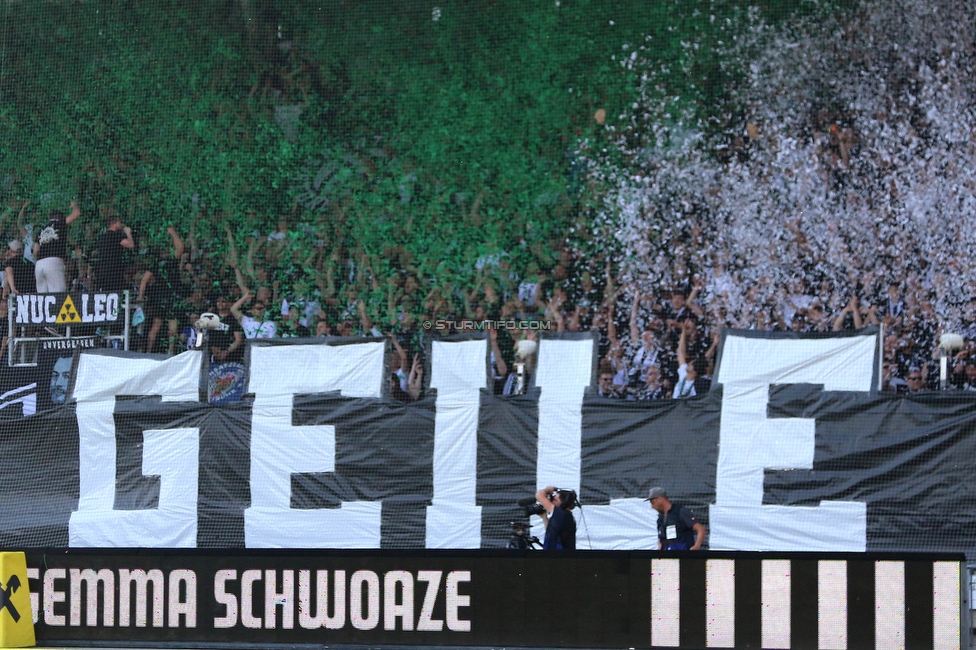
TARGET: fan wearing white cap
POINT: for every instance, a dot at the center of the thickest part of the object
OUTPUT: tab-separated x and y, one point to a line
677	527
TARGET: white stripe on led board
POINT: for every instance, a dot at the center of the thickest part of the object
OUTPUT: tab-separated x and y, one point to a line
720	603
665	602
832	605
776	603
945	606
889	605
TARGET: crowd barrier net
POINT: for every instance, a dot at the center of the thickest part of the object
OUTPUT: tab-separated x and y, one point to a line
462	252
793	448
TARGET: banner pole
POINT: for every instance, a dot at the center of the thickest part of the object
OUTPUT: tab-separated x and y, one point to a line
881	351
11	342
125	338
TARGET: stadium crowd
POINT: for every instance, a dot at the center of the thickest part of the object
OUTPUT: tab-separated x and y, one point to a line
656	342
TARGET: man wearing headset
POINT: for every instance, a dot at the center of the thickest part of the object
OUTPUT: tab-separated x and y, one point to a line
560	524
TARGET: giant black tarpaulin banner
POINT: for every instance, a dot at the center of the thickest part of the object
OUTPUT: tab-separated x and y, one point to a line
316	456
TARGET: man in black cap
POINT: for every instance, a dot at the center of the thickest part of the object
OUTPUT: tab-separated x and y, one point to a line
677	527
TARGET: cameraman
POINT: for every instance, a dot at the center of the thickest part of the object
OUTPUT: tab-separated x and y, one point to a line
560	524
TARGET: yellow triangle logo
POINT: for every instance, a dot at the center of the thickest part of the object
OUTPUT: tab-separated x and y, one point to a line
68	313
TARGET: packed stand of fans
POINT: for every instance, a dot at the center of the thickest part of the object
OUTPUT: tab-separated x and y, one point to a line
655	342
